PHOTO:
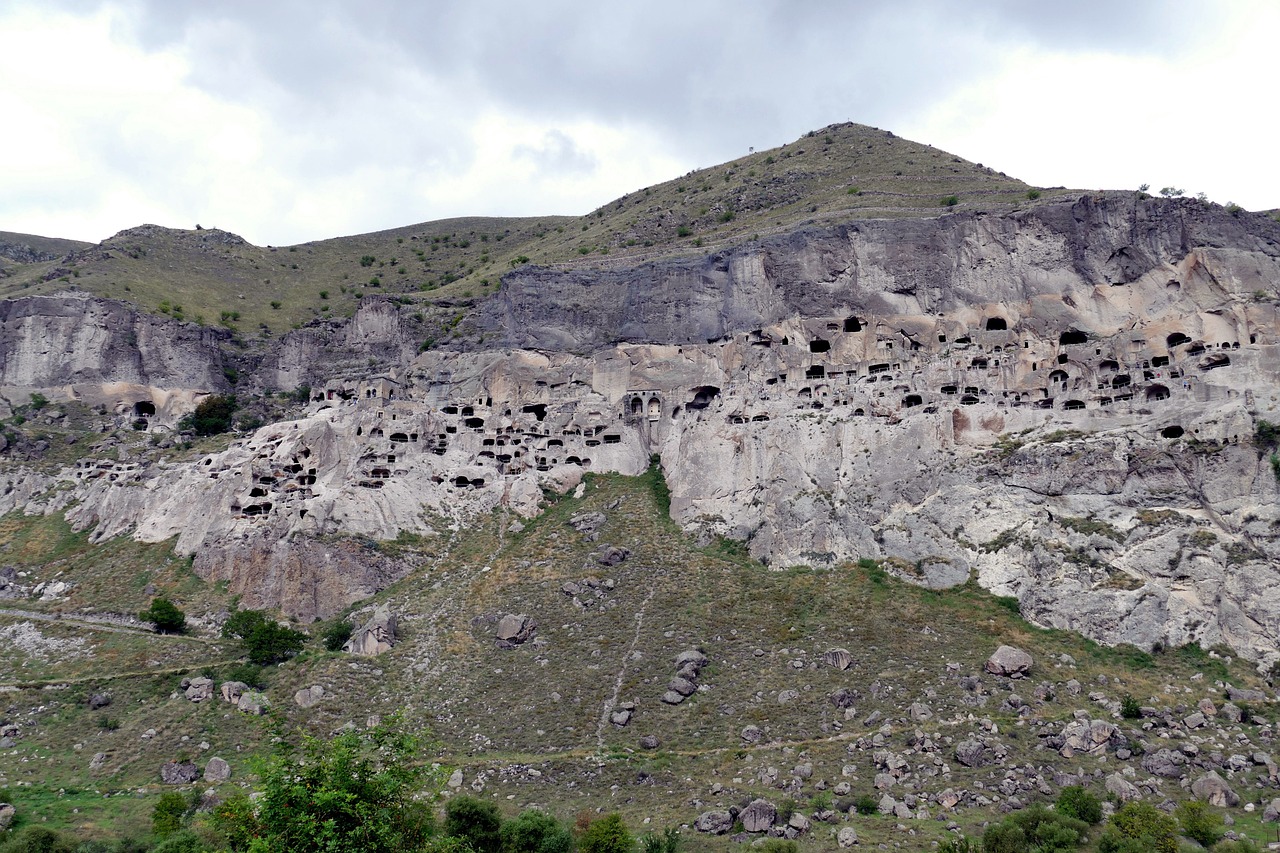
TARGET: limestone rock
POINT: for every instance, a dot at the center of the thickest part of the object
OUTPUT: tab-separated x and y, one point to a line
254	703
847	836
714	822
1214	790
972	753
649	742
99	700
217	770
758	816
376	636
200	689
308	696
1121	788
232	691
7	814
838	658
515	630
179	772
1009	661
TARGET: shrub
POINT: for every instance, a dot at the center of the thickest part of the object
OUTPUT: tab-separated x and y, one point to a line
164	616
275	304
367	260
166	817
1234	209
667	842
351	793
475	821
1139	827
1004	838
213	415
535	831
779	845
1032	195
264	641
1199	822
1077	802
683	231
1129	707
336	635
958	844
866	805
607	835
250	673
951	201
38	839
38	401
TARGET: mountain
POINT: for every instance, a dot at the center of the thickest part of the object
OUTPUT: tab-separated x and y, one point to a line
853	394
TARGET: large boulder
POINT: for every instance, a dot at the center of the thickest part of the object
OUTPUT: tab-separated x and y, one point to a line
200	689
99	700
1009	661
1086	736
233	690
1122	789
838	658
972	753
1164	763
308	696
714	822
759	816
253	703
217	770
847	836
1215	791
179	772
376	636
7	814
515	629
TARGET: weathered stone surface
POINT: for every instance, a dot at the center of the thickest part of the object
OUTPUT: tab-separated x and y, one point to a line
1009	661
847	836
376	636
232	691
515	629
682	686
308	696
650	742
758	816
217	770
7	814
253	702
179	772
714	822
972	753
1215	791
99	700
1164	763
838	658
200	689
1121	788
1086	736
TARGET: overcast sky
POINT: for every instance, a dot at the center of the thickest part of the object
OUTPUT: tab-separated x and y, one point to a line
293	120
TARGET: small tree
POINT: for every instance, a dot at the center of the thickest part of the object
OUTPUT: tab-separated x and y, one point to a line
213	414
1076	802
1139	826
607	835
164	616
337	634
535	831
265	642
166	817
476	822
1199	822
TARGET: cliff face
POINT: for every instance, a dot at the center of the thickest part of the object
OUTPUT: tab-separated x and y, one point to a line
1060	402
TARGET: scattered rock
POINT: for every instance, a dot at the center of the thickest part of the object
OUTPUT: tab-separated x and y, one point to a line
179	772
714	822
99	700
620	717
7	814
308	696
99	759
650	742
838	658
1237	695
200	689
515	630
758	816
751	734
611	555
1122	789
1009	661
1215	791
254	703
847	836
233	690
217	770
972	753
376	636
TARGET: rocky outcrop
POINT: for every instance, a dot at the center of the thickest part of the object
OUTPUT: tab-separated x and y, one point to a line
1059	402
374	637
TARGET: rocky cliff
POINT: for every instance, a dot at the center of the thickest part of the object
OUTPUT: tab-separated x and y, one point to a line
1061	402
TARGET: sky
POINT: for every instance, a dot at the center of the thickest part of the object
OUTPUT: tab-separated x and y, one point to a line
293	120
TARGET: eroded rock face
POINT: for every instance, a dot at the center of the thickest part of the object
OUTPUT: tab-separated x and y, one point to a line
1059	401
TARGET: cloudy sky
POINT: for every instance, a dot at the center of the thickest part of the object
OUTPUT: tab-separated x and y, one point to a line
292	120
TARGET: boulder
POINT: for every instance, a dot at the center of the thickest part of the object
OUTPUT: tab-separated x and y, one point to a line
751	734
1235	694
233	690
1164	763
376	636
843	698
99	700
620	717
1271	814
514	630
714	822
217	770
308	696
650	742
1122	789
847	836
758	816
1215	791
254	703
972	753
691	657
838	658
672	698
7	814
683	686
1087	736
179	772
611	555
1009	661
200	689
799	823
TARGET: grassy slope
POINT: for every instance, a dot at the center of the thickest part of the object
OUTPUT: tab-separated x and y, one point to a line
840	173
498	714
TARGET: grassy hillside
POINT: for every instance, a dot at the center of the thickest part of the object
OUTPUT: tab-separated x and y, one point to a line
843	172
532	725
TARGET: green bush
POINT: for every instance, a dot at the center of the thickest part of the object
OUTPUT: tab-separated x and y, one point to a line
165	616
336	635
607	835
185	841
667	842
683	231
475	821
535	831
166	817
958	844
951	201
249	673
1129	707
866	805
38	839
1199	822
349	794
1076	802
265	642
1032	195
1139	827
779	845
1004	838
213	415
